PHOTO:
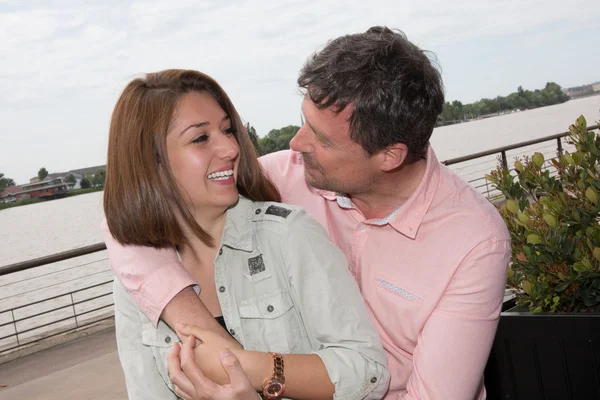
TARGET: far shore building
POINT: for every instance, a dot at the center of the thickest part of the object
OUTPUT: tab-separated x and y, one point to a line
582	91
9	194
77	173
54	185
48	188
87	171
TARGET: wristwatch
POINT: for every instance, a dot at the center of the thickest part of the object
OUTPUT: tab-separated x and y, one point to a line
274	386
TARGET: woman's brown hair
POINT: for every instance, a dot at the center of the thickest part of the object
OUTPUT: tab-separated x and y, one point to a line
141	198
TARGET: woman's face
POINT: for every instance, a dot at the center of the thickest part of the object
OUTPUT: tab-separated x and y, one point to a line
203	154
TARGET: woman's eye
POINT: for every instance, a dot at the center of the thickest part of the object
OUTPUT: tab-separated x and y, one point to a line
230	131
200	139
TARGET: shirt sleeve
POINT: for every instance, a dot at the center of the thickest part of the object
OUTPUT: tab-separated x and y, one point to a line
334	312
454	345
142	377
151	276
276	164
285	170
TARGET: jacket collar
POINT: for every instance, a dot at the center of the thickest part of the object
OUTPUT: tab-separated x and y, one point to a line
237	232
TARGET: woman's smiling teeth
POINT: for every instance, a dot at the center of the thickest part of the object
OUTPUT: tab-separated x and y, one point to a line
221	175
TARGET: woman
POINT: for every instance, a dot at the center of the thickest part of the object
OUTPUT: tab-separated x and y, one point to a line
182	173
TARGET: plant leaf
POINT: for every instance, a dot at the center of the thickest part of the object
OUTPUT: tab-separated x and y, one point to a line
532	238
562	287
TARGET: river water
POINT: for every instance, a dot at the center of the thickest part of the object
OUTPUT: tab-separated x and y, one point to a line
45	228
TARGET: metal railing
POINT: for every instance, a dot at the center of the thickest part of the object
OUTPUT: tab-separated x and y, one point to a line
38	262
474	173
69	318
56	314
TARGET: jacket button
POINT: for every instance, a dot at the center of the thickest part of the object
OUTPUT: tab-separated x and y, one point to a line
257	211
222	289
232	332
270	308
221	251
168	339
373	380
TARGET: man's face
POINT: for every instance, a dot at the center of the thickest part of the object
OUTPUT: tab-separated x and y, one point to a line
332	161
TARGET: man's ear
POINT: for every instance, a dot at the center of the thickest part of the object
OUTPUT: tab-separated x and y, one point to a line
393	157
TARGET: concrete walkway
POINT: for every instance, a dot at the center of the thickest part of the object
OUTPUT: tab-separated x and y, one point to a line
87	368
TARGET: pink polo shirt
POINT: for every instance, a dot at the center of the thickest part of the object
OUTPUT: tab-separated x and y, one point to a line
432	275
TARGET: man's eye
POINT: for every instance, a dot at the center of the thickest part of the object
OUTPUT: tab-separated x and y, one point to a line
200	139
323	142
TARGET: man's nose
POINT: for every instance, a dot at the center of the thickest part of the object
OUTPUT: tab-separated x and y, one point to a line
301	142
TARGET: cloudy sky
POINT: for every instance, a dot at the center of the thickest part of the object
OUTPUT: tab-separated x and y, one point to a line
63	63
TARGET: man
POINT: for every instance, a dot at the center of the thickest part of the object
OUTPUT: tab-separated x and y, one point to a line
430	254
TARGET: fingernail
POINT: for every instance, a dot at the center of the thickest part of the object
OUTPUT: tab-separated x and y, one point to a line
225	353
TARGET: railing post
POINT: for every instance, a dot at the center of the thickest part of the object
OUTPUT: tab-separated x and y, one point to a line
12	312
559	147
74	312
504	161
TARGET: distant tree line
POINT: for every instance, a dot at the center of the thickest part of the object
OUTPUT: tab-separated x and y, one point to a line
522	99
5	182
275	140
95	180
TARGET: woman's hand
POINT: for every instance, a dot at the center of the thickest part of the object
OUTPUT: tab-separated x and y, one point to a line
189	378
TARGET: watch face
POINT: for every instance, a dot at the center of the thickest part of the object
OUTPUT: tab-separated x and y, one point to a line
274	389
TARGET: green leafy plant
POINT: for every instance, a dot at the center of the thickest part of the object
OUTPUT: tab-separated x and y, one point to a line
553	224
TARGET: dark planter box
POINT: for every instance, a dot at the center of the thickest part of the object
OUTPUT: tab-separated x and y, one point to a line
545	357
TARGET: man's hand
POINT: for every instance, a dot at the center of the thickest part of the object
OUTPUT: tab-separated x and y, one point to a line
207	349
187	376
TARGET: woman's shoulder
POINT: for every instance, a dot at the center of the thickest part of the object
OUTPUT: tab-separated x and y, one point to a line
285	222
287	215
270	221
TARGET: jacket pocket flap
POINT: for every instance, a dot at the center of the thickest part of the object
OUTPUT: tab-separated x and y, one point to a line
267	306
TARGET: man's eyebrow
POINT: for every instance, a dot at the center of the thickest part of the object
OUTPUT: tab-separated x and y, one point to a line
320	136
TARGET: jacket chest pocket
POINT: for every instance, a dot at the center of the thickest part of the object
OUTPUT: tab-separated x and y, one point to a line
160	340
270	321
